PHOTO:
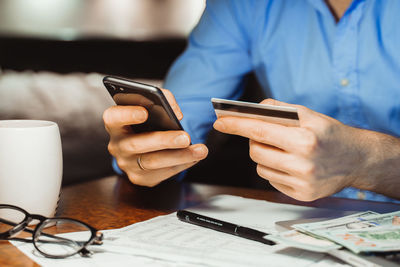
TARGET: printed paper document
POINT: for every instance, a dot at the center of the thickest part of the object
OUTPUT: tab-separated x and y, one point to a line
166	241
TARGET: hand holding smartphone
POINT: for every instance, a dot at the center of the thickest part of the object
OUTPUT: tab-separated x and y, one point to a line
162	149
127	92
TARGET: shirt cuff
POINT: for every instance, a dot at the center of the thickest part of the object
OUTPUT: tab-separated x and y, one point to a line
354	193
116	168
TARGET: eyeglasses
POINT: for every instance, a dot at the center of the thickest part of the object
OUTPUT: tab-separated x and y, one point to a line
13	220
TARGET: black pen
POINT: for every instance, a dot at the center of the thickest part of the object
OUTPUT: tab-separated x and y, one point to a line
222	226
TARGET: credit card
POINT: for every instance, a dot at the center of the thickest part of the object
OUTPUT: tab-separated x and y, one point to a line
283	115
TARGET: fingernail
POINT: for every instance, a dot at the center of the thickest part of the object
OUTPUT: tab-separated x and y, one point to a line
140	115
198	152
219	125
182	140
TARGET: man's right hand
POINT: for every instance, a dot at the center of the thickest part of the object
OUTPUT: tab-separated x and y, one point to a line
149	158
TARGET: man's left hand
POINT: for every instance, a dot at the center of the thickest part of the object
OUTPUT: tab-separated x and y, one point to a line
315	160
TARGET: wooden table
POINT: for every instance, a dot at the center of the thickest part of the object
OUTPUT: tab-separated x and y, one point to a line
113	202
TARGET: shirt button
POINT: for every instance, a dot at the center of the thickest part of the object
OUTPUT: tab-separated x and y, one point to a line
344	82
361	195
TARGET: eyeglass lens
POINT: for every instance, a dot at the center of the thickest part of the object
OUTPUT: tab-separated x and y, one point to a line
9	218
50	244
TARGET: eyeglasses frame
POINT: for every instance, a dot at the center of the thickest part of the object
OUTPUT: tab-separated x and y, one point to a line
95	239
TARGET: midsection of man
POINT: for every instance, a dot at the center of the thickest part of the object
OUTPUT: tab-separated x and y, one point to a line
345	69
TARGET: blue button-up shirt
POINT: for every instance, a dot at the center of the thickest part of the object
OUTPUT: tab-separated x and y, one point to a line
349	70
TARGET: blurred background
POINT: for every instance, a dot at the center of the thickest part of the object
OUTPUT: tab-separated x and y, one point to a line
125	37
54	54
122	19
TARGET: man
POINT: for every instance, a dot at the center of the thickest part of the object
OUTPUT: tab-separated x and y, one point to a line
337	60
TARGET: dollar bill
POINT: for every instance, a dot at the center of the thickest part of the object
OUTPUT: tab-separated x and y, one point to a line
307	240
336	224
362	232
300	240
381	238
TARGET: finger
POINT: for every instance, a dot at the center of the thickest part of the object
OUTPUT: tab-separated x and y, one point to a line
293	139
278	159
118	118
287	190
174	105
169	158
279	177
296	194
305	114
153	178
151	141
257	130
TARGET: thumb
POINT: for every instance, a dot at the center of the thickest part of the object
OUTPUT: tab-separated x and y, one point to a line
271	101
172	101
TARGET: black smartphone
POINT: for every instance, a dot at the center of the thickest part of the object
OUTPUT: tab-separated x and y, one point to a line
127	92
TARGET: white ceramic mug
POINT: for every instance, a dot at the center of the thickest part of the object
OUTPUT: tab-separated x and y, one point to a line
30	165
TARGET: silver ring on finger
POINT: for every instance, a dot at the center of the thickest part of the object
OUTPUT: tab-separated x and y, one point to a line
139	163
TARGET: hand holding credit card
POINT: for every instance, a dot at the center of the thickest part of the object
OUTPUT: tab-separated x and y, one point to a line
283	115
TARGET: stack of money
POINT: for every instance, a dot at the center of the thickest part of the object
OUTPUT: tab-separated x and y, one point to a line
360	232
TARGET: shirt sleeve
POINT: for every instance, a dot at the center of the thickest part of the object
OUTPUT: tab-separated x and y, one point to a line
213	65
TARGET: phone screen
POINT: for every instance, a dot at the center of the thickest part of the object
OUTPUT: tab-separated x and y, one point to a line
161	116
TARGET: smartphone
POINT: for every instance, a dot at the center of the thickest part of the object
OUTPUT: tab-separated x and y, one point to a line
127	92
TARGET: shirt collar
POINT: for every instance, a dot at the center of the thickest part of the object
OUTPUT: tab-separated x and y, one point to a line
322	7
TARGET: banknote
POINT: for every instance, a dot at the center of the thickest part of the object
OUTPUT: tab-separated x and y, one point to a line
362	232
300	240
352	220
381	238
305	237
308	240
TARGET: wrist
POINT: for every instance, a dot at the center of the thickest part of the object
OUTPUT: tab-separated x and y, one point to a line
370	151
380	161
